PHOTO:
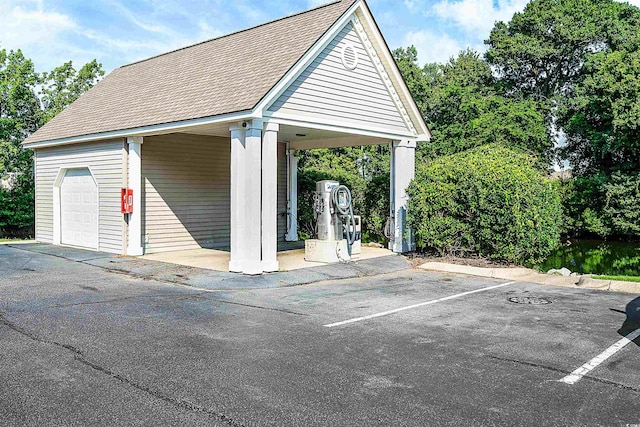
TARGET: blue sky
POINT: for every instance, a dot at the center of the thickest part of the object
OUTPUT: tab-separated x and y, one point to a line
117	32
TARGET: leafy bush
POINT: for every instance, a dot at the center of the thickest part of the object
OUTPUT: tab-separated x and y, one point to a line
490	201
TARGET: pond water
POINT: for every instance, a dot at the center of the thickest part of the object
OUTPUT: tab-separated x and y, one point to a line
596	257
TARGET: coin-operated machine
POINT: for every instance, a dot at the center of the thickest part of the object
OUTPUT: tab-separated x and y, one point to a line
338	230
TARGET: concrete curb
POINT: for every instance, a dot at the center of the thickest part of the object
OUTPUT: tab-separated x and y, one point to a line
532	276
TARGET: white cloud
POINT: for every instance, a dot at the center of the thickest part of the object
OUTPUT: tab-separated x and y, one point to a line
28	24
433	47
634	2
477	16
414	6
50	37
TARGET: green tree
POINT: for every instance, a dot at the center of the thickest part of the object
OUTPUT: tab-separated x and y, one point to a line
20	115
580	60
540	52
20	112
602	119
465	109
23	112
65	84
415	76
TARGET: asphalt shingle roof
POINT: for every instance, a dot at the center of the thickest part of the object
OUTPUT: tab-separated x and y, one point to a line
224	75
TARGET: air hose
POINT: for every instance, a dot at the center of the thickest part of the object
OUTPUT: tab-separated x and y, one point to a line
346	212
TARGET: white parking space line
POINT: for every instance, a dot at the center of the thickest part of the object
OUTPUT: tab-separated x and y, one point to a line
583	370
410	307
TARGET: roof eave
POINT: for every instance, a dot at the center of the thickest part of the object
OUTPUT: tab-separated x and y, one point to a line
156	129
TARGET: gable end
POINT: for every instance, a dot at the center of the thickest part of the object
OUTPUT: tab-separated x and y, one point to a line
346	84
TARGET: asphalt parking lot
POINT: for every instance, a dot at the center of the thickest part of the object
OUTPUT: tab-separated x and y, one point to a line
81	345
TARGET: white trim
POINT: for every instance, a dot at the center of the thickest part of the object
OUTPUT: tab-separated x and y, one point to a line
384	51
57	204
269	192
305	61
135	245
144	130
335	126
382	72
236	191
346	141
251	200
403	157
292	195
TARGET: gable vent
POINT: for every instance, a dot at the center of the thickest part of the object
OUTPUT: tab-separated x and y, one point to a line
349	56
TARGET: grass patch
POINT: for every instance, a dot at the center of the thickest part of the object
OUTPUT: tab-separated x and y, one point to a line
619	278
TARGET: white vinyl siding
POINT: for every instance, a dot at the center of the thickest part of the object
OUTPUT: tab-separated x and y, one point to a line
328	91
104	159
186	181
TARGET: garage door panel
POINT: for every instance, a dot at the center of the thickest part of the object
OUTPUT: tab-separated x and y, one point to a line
79	209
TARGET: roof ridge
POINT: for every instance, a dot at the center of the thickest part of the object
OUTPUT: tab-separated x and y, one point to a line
233	33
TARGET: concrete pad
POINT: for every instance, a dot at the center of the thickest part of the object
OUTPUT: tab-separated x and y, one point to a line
67	252
172	267
532	276
211	259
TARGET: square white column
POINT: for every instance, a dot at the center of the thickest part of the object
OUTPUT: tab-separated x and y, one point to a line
237	190
292	196
403	154
252	199
270	197
135	245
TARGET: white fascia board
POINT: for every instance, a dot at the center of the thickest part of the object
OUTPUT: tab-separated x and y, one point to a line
425	137
347	141
383	50
338	126
145	130
275	92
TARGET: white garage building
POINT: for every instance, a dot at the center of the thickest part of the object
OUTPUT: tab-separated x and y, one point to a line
206	137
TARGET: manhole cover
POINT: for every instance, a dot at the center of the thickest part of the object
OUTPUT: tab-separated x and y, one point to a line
529	300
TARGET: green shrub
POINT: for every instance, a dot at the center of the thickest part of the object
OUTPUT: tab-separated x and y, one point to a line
489	201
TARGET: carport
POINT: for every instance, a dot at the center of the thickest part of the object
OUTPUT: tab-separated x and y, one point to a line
206	138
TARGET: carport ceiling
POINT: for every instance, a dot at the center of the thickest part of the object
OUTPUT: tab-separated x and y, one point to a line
301	138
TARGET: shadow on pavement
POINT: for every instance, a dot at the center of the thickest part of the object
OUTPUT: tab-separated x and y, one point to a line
632	321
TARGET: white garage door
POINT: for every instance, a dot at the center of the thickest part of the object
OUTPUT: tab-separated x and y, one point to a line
79	209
